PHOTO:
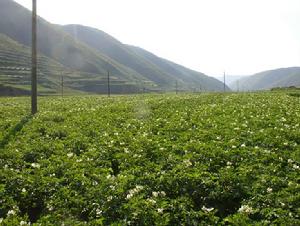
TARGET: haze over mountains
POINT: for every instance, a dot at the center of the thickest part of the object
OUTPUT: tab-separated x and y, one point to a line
282	77
84	55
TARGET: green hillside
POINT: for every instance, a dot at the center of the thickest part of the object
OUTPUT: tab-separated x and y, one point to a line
15	71
55	43
15	68
85	55
283	77
111	47
156	69
193	78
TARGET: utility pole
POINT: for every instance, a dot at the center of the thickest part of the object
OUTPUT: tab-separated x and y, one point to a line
108	84
176	87
238	85
224	83
34	62
62	85
144	87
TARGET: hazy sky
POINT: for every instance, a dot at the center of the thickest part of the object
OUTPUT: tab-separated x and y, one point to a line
240	37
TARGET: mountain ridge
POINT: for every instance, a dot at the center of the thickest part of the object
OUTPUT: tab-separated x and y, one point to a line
98	53
265	80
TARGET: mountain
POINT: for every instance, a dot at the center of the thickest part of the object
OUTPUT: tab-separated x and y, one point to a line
15	70
230	79
55	43
114	49
195	79
86	54
283	77
152	67
15	74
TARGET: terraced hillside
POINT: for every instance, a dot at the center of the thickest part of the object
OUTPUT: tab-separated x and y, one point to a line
15	74
15	67
91	53
152	67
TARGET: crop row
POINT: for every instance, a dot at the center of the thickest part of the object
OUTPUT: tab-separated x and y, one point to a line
151	160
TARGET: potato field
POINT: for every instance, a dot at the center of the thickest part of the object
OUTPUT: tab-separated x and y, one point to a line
186	159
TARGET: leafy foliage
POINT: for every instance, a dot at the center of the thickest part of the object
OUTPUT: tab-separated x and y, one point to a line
151	160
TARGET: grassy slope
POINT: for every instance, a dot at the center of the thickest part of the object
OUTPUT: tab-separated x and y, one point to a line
111	47
15	71
99	53
56	44
282	77
15	67
156	69
187	77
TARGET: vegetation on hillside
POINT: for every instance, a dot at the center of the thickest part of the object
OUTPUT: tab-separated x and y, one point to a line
91	53
15	74
283	77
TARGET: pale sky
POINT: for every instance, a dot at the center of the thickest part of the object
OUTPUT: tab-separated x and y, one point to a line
240	37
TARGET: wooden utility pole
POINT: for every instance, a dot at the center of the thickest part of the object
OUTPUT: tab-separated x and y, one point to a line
144	87
224	83
108	84
34	62
62	85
